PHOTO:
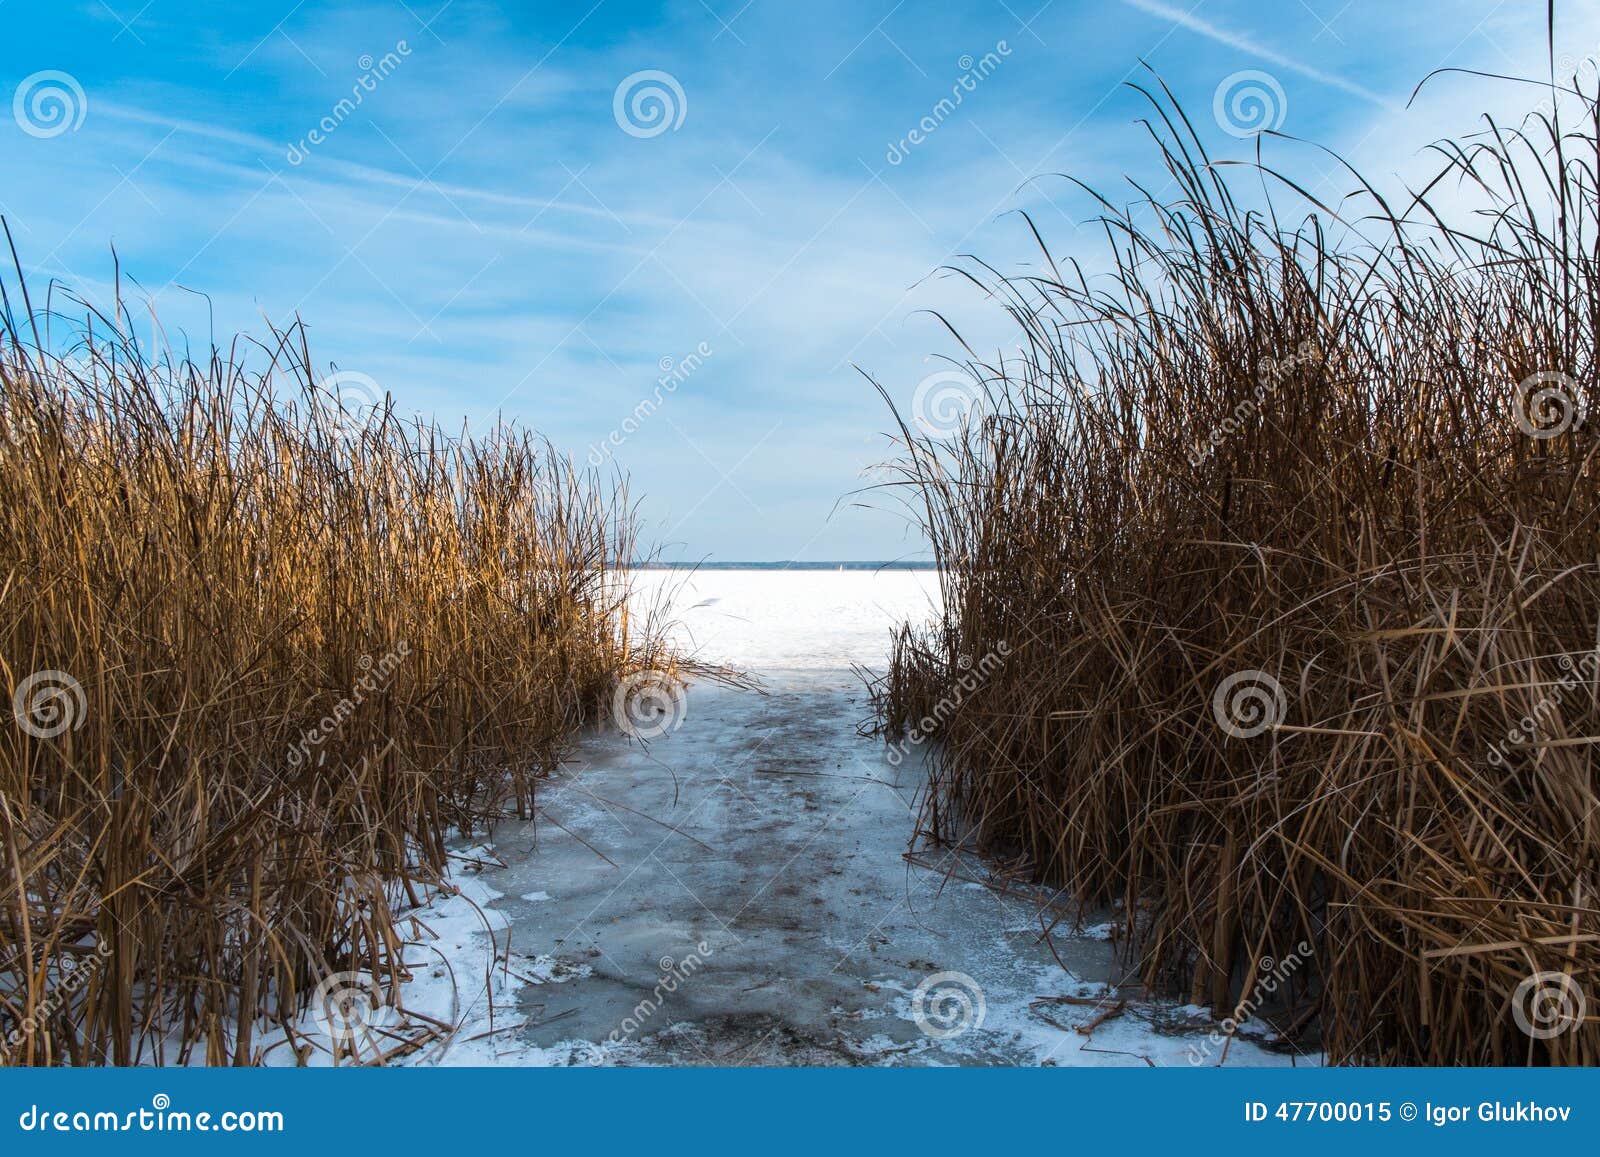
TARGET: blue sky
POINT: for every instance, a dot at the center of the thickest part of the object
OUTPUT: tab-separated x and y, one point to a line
492	229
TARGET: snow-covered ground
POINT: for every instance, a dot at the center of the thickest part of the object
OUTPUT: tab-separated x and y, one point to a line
789	625
735	891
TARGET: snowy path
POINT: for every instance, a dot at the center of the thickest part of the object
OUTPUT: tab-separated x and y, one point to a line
736	892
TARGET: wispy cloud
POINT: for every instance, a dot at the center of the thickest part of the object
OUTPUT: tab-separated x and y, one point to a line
274	151
486	239
1249	45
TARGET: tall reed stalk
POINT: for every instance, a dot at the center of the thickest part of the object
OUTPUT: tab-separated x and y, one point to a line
268	654
1290	524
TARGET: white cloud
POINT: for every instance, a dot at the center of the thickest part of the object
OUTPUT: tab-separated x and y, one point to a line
552	260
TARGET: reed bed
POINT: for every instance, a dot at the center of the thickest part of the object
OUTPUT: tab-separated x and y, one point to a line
269	654
1289	523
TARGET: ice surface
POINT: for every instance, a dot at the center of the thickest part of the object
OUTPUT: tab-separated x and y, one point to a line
736	890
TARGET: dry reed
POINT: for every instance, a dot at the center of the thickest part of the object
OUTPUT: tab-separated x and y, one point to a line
1291	530
269	653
